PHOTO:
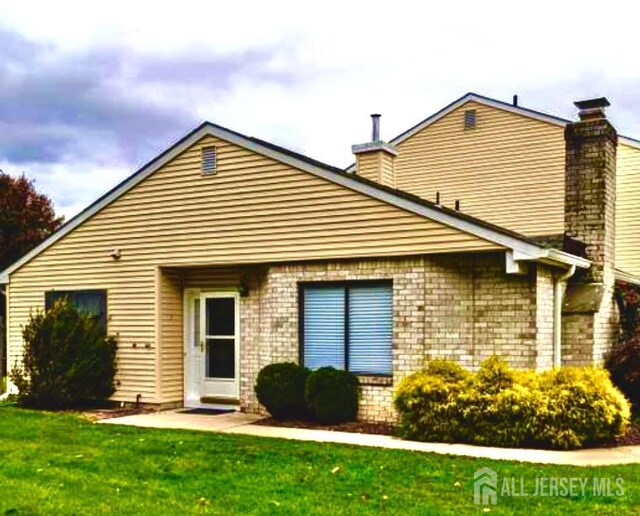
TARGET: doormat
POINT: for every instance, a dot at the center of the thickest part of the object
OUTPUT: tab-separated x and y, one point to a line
206	411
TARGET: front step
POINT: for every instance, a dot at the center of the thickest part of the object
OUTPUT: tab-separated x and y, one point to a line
219	400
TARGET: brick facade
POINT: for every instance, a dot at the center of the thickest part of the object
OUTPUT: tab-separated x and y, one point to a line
459	307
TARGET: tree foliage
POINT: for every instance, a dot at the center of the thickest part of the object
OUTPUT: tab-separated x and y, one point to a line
623	361
26	218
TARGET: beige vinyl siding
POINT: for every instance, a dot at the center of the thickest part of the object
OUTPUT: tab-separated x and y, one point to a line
170	377
368	165
171	368
628	209
253	210
377	166
509	170
387	170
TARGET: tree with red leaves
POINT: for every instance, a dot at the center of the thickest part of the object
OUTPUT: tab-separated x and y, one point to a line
623	360
26	218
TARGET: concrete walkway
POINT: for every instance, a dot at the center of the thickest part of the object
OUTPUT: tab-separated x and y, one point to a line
238	423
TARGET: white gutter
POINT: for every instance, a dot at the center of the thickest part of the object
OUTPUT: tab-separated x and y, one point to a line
557	315
552	257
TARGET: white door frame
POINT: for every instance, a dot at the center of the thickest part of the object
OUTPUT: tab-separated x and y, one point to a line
194	356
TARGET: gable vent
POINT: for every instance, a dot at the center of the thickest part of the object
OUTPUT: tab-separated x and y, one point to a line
208	160
470	119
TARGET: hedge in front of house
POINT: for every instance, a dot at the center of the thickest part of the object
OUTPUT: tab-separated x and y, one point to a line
332	395
326	395
559	409
280	388
67	361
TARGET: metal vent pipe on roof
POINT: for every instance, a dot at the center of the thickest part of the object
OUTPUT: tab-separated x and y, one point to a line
375	127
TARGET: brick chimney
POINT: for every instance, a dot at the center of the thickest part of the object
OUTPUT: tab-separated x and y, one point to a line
589	315
590	185
375	160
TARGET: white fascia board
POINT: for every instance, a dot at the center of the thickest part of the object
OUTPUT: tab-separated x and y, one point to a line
626	277
472	97
520	247
96	207
629	141
513	266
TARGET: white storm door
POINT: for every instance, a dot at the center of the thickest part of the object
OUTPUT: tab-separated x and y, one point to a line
219	345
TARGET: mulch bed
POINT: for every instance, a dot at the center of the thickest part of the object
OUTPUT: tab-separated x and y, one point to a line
96	414
357	427
631	438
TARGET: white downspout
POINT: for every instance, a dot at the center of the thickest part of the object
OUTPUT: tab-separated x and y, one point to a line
557	316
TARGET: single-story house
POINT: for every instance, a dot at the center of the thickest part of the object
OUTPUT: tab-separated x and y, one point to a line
226	253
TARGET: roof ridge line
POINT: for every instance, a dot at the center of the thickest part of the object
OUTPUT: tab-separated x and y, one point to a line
399	198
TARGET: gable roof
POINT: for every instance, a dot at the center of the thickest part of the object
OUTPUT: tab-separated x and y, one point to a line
522	247
495	103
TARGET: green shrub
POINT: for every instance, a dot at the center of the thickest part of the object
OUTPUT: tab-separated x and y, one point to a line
67	360
566	408
332	395
280	388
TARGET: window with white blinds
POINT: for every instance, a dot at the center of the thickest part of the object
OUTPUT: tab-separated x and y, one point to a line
348	326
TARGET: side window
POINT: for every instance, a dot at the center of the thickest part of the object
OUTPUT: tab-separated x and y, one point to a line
89	302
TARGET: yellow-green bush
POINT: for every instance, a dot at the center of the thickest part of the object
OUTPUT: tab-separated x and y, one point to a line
566	408
583	407
427	404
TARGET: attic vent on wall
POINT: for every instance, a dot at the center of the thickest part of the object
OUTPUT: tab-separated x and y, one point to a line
208	160
470	119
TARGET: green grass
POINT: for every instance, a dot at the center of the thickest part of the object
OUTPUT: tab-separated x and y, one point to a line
62	464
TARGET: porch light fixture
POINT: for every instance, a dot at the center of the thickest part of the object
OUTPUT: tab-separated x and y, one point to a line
243	289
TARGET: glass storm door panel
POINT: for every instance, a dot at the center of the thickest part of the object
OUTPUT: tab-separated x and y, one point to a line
219	336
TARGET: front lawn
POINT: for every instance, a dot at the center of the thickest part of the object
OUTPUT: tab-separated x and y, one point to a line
62	464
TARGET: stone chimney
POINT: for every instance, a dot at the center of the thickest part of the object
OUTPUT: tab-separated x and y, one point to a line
590	185
589	315
375	160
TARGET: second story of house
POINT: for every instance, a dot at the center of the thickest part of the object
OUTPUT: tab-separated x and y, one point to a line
502	163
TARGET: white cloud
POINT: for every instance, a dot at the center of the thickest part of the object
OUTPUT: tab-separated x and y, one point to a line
333	63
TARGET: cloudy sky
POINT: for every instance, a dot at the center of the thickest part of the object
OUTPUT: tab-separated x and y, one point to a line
91	91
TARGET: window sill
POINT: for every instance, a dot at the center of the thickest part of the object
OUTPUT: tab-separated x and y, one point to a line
375	380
